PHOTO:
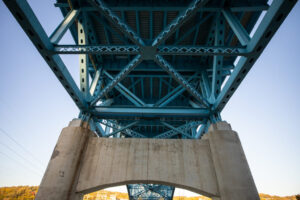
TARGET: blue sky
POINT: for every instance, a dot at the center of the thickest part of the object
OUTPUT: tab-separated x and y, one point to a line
34	107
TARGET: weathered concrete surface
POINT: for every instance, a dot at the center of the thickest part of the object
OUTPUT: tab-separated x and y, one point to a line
233	174
60	175
182	163
214	166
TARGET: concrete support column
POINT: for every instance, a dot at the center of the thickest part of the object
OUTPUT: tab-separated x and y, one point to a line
234	178
63	168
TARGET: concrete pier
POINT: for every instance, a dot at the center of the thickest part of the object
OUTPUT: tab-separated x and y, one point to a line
233	173
62	171
214	166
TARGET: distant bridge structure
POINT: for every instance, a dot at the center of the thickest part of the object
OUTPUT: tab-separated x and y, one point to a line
155	69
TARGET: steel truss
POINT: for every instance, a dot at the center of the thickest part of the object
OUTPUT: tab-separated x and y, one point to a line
159	80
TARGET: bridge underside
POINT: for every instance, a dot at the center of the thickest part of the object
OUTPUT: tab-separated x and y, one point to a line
154	69
150	191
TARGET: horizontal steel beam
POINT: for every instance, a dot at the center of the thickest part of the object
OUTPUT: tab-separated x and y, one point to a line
112	112
245	8
97	49
162	50
32	27
201	51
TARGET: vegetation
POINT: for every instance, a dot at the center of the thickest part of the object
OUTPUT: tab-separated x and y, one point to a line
18	193
29	192
269	197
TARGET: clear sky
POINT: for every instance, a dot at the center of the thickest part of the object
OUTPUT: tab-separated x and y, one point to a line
34	107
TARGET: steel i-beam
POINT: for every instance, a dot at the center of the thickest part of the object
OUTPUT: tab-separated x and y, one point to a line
83	58
63	26
217	60
115	112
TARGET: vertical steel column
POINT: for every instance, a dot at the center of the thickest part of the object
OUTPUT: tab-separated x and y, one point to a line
83	58
217	60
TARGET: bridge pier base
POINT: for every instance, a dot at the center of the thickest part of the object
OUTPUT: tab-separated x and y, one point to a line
233	174
215	166
60	178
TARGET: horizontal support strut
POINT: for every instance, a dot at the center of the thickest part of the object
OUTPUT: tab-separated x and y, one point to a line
163	50
202	51
112	112
97	49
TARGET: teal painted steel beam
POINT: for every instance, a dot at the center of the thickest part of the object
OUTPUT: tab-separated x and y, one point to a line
96	82
173	94
179	131
122	128
84	60
201	131
114	19
132	86
202	50
93	39
113	112
181	80
204	82
217	60
127	131
248	8
179	21
171	133
137	22
162	50
267	28
130	66
32	27
97	49
127	93
63	26
150	191
236	27
107	27
196	27
99	130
